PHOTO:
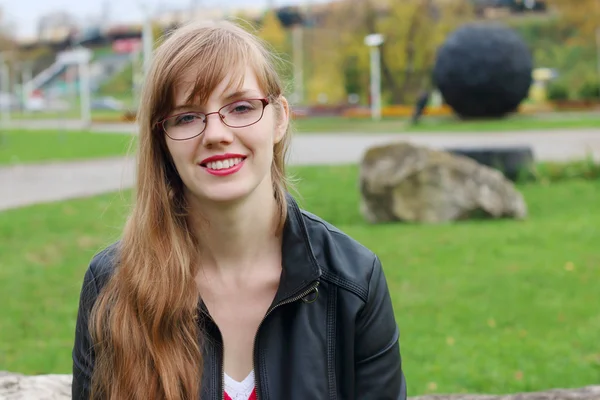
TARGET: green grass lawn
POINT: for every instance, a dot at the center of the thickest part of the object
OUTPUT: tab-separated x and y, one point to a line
448	124
483	306
22	146
71	113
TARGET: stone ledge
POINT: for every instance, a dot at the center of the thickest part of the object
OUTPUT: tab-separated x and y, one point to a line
36	387
58	387
584	393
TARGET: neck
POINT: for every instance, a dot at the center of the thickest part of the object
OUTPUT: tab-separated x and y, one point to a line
237	237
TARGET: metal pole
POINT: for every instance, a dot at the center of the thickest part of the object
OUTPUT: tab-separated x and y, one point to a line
134	76
5	84
375	84
598	51
84	92
26	77
71	74
298	50
147	39
12	84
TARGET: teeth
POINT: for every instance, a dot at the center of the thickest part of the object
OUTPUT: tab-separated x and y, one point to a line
224	163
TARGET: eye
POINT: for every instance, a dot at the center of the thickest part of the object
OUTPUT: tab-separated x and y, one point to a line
240	107
184	119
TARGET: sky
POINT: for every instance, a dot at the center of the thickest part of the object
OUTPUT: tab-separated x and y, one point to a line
23	14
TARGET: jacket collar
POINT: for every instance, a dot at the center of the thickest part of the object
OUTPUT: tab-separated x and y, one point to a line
300	266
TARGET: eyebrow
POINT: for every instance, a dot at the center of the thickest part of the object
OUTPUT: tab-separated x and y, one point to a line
235	95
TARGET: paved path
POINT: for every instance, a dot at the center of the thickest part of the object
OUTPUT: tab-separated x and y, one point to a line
73	124
28	184
23	185
348	148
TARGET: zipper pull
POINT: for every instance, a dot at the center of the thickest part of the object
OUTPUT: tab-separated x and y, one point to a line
311	296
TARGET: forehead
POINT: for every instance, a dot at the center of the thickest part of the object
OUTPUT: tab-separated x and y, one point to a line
187	90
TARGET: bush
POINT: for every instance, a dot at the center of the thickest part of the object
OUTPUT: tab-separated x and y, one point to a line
558	91
590	90
483	70
550	172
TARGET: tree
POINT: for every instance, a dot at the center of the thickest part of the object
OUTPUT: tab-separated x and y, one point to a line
324	69
331	49
413	30
351	76
584	18
272	31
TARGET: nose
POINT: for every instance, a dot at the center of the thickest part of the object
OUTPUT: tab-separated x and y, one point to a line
216	132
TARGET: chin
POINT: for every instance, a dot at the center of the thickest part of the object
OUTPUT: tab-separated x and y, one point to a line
230	193
229	190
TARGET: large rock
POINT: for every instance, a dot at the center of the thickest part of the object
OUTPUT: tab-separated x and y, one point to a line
404	182
36	387
585	393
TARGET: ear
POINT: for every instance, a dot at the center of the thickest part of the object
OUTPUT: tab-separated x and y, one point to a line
283	120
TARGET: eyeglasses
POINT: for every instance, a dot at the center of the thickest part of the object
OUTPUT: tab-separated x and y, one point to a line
239	114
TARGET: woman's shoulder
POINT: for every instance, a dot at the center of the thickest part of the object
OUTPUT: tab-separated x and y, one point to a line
102	266
342	258
97	274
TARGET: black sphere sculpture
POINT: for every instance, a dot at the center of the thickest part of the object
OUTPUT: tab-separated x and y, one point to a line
483	71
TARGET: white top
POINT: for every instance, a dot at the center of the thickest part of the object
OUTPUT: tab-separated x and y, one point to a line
239	390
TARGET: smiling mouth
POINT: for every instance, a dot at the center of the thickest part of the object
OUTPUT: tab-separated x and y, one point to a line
223	164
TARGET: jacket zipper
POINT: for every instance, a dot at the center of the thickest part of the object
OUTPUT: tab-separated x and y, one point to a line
221	388
222	383
290	300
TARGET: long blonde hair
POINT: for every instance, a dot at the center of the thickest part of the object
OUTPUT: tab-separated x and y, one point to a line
144	322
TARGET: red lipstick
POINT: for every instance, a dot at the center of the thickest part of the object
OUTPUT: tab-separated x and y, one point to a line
223	164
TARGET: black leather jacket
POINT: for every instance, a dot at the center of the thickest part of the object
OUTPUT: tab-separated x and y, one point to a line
330	333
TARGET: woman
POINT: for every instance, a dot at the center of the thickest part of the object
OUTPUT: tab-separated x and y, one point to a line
221	287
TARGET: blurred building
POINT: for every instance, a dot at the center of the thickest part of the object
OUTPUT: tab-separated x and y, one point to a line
55	26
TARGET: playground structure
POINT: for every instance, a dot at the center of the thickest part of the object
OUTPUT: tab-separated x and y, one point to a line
58	77
71	82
